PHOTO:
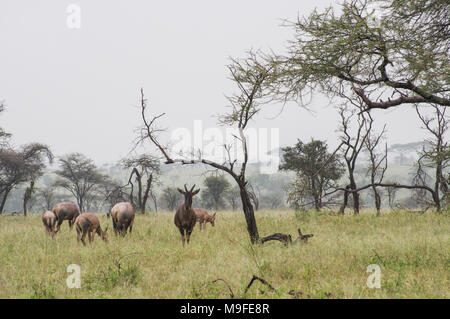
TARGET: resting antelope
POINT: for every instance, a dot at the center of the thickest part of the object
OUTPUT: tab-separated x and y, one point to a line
203	217
88	223
122	215
185	217
49	221
66	210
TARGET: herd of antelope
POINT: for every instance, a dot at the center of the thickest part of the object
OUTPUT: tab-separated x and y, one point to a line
122	216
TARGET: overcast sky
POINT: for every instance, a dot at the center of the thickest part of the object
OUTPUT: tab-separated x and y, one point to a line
77	89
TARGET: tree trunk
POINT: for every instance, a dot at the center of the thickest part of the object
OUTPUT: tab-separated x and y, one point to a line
436	198
377	200
27	196
5	196
249	214
345	202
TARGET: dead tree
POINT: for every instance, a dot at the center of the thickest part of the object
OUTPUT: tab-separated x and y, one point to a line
249	76
378	162
352	147
438	157
144	169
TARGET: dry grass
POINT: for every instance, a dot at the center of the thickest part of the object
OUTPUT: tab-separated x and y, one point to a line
412	250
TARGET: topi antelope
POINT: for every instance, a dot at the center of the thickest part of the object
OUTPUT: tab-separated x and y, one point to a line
122	215
63	211
203	217
185	217
49	221
88	223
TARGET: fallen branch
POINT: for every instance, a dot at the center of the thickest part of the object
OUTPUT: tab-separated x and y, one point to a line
229	288
303	237
269	286
285	239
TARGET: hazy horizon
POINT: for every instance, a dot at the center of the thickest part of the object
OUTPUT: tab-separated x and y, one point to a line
77	89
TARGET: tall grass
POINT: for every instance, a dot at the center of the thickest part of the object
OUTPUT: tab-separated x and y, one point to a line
412	250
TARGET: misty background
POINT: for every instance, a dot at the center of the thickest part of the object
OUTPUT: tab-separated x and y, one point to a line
77	90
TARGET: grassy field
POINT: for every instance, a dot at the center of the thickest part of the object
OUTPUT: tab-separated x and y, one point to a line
412	250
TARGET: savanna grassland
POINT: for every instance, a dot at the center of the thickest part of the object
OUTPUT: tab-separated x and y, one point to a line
412	250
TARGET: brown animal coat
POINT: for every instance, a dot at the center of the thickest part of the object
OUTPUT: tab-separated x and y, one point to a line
185	217
203	217
49	221
63	211
122	215
88	223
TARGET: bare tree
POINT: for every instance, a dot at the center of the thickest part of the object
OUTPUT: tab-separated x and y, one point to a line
438	157
80	176
352	148
378	162
145	169
249	76
49	197
170	197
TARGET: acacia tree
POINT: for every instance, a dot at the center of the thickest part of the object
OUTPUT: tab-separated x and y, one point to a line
213	193
249	76
19	166
80	176
316	170
145	169
387	52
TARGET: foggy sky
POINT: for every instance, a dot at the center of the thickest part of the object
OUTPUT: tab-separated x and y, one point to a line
77	89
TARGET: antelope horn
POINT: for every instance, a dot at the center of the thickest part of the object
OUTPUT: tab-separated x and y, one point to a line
192	188
185	188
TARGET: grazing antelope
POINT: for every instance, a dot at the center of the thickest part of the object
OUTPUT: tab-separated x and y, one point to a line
203	217
49	221
122	215
185	217
88	223
63	211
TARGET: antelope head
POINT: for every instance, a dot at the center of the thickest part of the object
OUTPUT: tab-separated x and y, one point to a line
212	218
104	234
188	196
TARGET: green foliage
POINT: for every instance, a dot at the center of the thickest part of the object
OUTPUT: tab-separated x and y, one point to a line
316	172
213	195
376	49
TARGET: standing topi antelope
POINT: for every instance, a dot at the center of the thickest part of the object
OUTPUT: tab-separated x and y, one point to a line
88	223
122	215
185	217
63	211
49	221
203	217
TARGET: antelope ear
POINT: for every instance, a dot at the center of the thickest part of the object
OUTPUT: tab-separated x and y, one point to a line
196	192
181	191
